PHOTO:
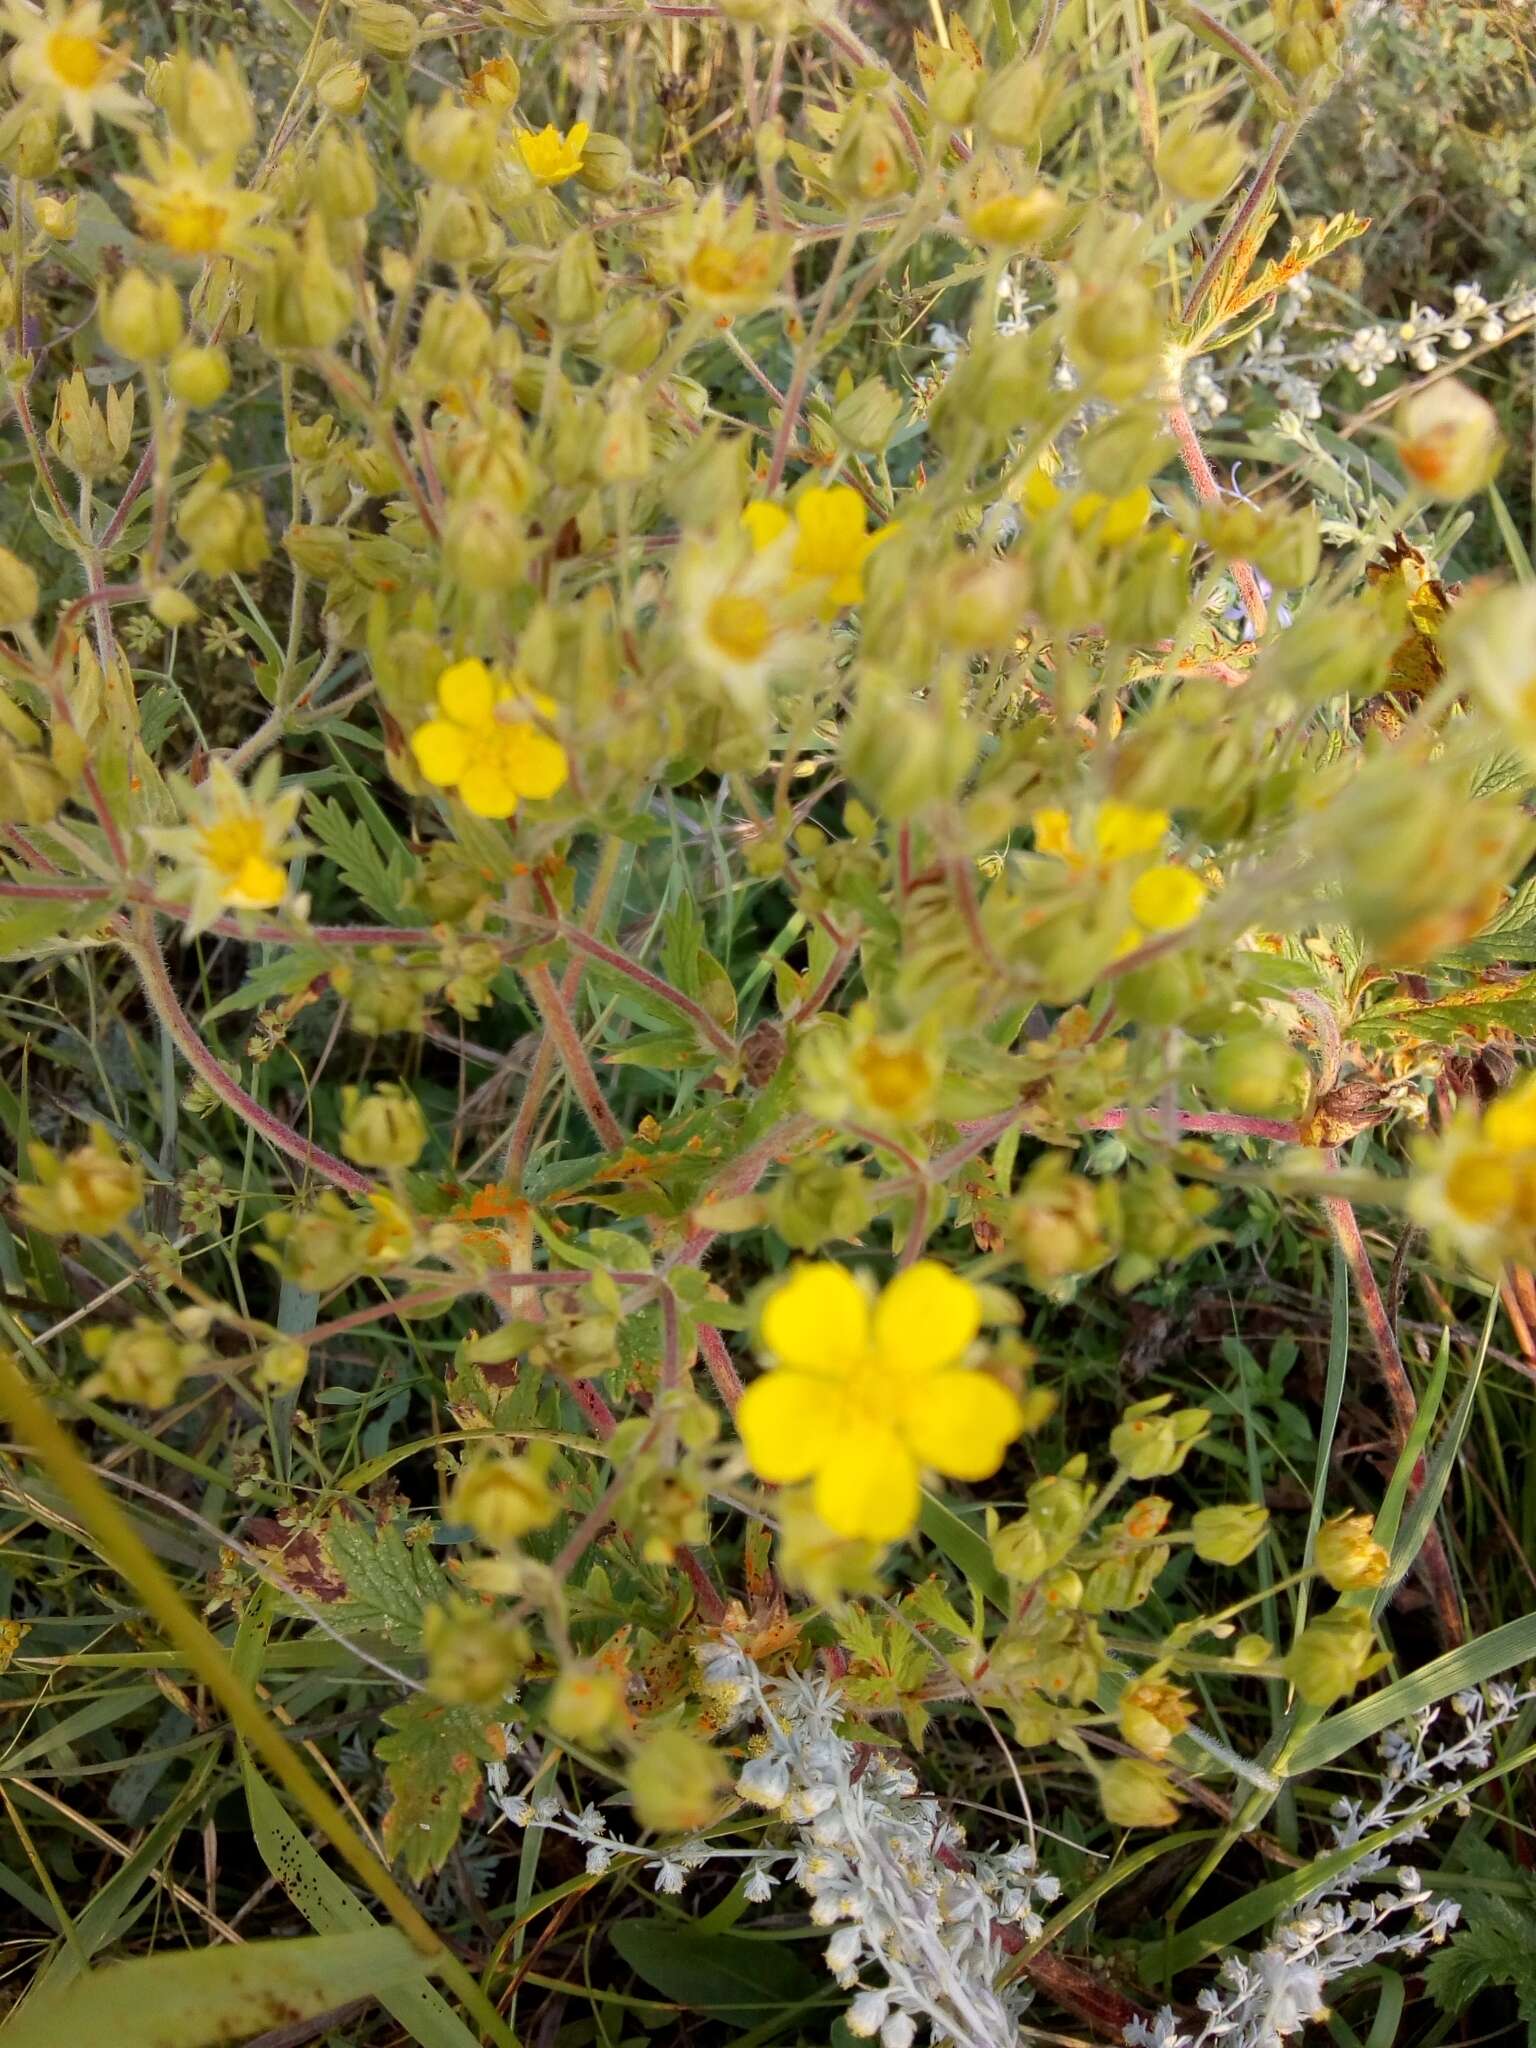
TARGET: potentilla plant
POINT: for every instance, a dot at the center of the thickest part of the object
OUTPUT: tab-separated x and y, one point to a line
1042	840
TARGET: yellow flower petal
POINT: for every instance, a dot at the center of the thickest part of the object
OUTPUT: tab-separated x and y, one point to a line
441	750
961	1423
817	1320
534	764
868	1488
1166	899
466	693
258	885
1053	833
789	1424
765	521
487	790
1120	829
925	1319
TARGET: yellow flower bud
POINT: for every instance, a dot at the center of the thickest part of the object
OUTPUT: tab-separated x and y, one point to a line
282	1367
532	17
676	1783
383	1129
1347	1554
633	338
575	288
1257	1073
92	438
496	84
473	1658
453	343
1136	1794
866	415
89	1193
1015	220
1331	1656
141	317
1250	1651
32	790
1150	1444
869	162
1449	440
223	530
205	105
144	1364
18	592
1151	1714
501	1499
1226	1535
303	300
621	453
198	375
586	1705
59	219
170	606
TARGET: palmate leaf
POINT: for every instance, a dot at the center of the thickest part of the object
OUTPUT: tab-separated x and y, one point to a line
435	1765
1465	1014
389	1581
1235	291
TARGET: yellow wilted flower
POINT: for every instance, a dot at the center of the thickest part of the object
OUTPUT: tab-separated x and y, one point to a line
1348	1555
190	206
860	1399
63	63
485	743
550	157
87	1194
232	855
830	545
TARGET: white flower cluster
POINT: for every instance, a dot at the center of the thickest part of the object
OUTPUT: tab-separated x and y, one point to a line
1260	2000
908	1902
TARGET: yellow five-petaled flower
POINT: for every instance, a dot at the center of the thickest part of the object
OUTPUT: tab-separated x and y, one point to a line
550	157
830	544
860	1397
485	744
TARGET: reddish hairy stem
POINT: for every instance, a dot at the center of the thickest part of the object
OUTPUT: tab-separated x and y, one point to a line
722	1367
1203	477
573	1056
144	950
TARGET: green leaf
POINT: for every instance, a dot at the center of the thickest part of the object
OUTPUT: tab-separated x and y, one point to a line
204	1998
965	1548
284	976
1511	936
435	1767
730	1976
1466	1014
389	1581
378	876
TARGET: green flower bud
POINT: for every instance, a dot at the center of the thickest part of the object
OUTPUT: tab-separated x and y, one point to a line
91	438
1199	160
1150	1444
303	299
622	450
451	144
1011	106
29	140
473	1658
344	186
453	343
1022	1551
1061	1223
316	1248
502	1499
586	1705
386	28
869	160
1115	337
866	416
223	530
1257	1073
903	756
206	105
1136	1794
1226	1535
633	338
1331	1656
18	592
818	1202
1120	1583
676	1783
198	376
383	1129
952	90
531	17
484	546
1348	1555
605	163
575	289
141	317
342	88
